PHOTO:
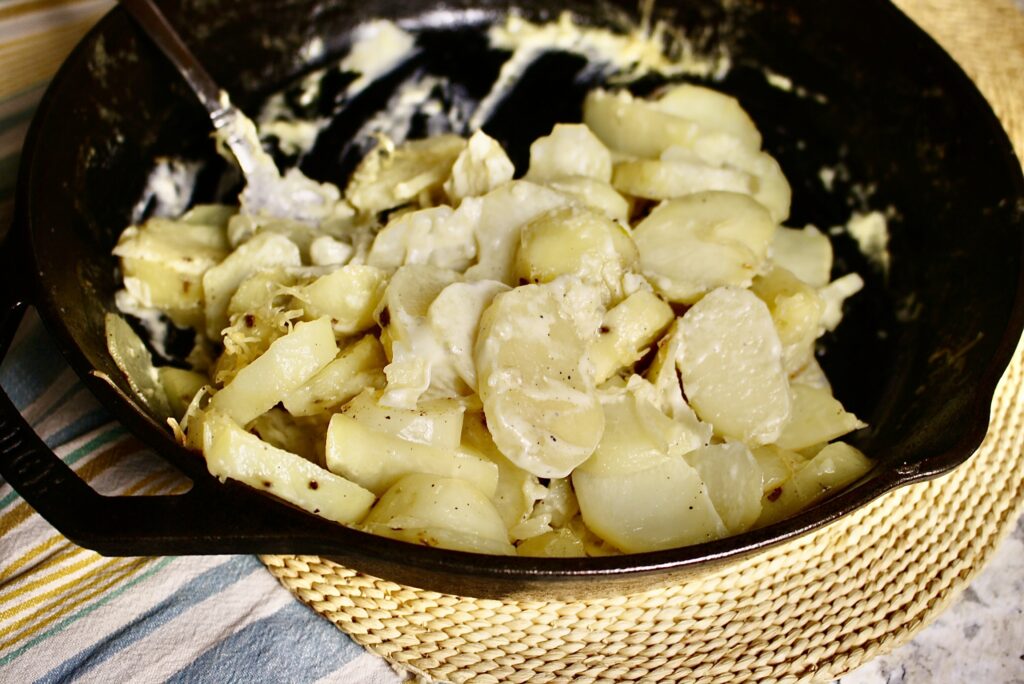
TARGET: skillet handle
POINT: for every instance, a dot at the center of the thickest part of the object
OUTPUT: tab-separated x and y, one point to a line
206	520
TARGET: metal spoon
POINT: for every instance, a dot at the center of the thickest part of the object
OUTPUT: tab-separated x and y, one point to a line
267	192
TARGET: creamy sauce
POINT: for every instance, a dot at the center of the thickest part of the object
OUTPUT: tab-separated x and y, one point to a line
871	231
628	56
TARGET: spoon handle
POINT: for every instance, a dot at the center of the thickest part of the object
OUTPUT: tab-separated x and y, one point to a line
224	114
167	39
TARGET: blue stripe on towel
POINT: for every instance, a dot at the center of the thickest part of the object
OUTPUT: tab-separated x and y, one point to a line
210	583
268	651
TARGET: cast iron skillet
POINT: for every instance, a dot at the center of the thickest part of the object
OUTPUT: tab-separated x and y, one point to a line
918	356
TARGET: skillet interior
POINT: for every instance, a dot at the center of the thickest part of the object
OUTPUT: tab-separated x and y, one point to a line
916	357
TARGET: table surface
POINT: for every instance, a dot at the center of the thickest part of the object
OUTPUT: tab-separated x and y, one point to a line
66	613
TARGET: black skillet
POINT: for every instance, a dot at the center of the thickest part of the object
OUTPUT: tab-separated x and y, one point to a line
918	355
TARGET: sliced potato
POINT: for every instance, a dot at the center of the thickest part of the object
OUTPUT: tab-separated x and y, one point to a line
502	214
349	296
376	460
481	167
593	194
692	245
418	358
796	310
259	291
806	253
391	176
163	264
627	331
357	366
579	242
435	423
817	417
287	365
711	110
731	366
561	543
835	467
635	496
777	465
635	127
538	396
734	480
264	251
454	318
660	180
770	189
569	150
131	356
517	490
663	376
303	436
231	452
438	236
438	511
181	386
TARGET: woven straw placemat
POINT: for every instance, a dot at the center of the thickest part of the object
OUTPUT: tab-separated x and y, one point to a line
810	610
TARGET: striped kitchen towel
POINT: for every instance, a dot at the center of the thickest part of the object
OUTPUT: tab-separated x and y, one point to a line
68	614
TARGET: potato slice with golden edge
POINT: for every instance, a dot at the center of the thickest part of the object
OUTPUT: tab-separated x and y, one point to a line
734	480
836	466
435	423
376	460
692	245
561	543
636	496
358	366
349	296
180	386
537	391
438	511
660	180
579	242
817	417
627	331
231	452
635	127
481	167
711	110
391	176
796	310
569	150
806	253
287	365
731	365
264	251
